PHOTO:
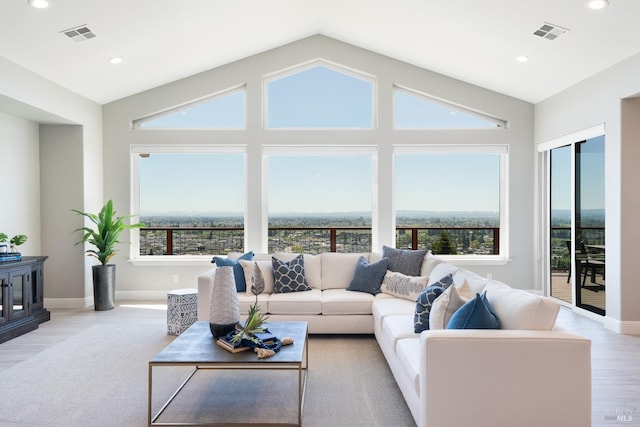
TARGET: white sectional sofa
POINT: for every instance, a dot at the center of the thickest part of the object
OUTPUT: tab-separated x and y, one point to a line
527	373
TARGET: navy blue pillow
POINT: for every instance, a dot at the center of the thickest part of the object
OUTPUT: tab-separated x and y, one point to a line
475	314
238	273
368	277
423	307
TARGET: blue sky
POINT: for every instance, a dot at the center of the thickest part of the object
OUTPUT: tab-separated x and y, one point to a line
318	97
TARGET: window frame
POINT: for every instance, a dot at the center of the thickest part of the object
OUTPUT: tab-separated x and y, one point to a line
503	151
139	150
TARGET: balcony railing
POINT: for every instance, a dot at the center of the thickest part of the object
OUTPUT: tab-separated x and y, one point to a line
313	240
560	256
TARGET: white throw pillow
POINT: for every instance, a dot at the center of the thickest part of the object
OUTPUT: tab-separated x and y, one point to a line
519	309
267	274
448	303
402	286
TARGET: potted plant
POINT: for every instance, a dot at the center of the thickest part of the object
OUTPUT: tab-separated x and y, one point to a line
16	240
104	236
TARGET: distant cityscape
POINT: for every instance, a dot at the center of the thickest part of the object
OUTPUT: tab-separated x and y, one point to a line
197	234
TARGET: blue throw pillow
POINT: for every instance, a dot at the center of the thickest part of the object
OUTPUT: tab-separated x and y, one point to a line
289	276
368	277
475	314
238	273
423	307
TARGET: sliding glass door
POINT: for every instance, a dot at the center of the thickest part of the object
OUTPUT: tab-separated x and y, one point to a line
575	213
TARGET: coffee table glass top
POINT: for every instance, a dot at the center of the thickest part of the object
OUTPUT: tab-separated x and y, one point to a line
197	345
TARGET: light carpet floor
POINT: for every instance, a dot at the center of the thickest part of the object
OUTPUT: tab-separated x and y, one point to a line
98	376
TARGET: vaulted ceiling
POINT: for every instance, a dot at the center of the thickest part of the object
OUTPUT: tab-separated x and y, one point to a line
160	41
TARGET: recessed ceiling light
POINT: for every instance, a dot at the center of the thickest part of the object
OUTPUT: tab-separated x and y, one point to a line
39	4
115	60
522	58
598	4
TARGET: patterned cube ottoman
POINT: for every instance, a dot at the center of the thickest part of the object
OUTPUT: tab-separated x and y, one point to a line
182	310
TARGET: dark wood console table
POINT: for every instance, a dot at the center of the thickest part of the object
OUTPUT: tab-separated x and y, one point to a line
21	296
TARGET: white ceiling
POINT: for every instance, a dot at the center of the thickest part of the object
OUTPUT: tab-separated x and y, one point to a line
164	40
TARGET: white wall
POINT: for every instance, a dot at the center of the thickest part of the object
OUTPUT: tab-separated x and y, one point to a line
20	181
35	101
140	281
597	100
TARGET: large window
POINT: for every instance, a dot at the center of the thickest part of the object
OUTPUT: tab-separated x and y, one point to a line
307	169
320	202
319	96
451	199
190	200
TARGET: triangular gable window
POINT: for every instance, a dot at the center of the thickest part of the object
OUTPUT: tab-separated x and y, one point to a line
413	110
319	96
225	110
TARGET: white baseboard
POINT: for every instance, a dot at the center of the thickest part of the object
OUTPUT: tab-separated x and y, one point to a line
68	303
86	302
160	296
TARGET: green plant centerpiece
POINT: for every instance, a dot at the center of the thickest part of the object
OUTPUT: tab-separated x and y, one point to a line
255	318
104	236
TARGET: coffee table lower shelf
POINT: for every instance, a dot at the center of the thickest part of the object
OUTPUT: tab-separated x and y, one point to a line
196	348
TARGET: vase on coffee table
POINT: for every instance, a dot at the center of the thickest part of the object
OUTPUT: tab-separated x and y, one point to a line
224	313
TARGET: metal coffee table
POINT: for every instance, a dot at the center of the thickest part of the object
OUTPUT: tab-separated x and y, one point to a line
196	348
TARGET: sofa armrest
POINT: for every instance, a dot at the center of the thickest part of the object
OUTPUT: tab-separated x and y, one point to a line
504	378
205	285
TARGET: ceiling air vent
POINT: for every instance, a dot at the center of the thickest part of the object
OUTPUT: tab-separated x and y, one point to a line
79	34
550	31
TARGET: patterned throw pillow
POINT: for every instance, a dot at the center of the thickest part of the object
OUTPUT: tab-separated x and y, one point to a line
402	286
289	276
423	307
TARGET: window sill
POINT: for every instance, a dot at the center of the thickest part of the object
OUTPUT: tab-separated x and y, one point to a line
463	260
171	261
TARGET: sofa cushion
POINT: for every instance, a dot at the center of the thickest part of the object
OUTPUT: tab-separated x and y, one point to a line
289	276
312	267
238	273
338	269
396	327
518	309
386	305
296	303
475	314
448	303
402	286
430	262
342	301
404	261
368	277
408	351
423	307
442	270
267	274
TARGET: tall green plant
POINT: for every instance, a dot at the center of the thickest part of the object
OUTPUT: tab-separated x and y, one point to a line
107	230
